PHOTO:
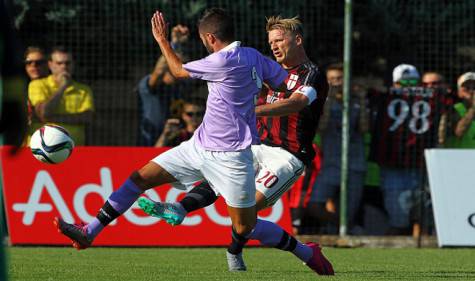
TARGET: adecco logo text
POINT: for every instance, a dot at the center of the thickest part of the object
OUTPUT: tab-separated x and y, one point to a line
44	183
471	220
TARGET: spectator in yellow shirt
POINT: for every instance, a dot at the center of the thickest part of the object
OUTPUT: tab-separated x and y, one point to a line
36	67
61	100
35	63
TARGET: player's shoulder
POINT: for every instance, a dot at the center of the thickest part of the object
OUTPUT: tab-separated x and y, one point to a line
233	57
311	66
251	52
309	73
249	49
223	58
218	59
307	68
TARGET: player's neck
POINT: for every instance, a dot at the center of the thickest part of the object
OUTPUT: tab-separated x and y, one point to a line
295	61
219	45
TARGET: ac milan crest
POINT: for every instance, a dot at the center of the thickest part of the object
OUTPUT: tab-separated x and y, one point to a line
292	81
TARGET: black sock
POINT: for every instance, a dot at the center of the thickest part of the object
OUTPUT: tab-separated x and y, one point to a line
199	197
287	242
107	214
237	244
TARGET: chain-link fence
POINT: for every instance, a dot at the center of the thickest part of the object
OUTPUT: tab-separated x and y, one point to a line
113	48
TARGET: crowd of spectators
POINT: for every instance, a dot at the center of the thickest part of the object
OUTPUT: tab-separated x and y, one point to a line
54	96
157	90
415	112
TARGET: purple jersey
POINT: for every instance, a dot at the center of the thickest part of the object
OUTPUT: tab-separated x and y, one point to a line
234	75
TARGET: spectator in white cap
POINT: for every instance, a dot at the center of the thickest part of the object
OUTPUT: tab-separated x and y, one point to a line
405	75
463	113
399	179
465	85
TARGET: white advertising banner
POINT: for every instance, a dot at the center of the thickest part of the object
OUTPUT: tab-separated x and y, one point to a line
452	183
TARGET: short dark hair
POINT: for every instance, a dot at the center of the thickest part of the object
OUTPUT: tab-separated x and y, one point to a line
217	22
58	49
335	66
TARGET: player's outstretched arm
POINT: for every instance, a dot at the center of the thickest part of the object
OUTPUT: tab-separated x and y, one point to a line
160	33
299	99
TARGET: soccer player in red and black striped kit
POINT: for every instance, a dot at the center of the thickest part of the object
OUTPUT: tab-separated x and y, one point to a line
287	123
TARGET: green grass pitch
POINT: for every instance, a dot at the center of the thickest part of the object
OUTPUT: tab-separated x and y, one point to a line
101	264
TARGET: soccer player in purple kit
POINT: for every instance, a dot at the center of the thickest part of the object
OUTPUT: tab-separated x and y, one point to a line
220	150
286	124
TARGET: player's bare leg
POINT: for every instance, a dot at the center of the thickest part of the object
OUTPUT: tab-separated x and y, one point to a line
261	201
270	234
82	235
243	223
234	252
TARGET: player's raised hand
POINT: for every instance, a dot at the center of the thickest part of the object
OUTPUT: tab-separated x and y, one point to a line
159	27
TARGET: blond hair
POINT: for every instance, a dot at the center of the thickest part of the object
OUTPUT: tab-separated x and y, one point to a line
293	25
33	49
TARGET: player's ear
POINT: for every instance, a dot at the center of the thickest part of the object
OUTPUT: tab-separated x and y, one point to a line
211	38
298	39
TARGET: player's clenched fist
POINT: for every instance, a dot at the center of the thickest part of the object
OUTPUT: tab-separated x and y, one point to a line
159	27
180	34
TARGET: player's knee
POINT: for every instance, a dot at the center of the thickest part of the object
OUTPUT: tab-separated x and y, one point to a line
244	229
140	180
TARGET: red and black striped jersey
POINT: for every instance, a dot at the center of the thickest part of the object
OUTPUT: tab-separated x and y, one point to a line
295	132
407	123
